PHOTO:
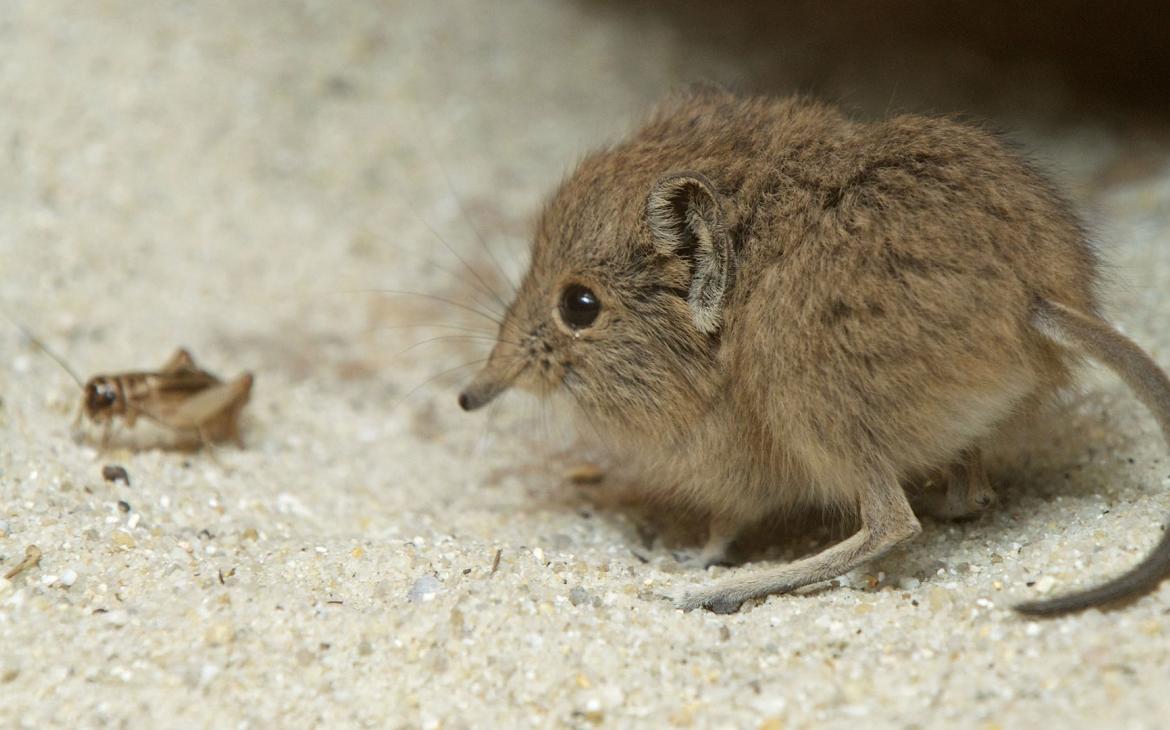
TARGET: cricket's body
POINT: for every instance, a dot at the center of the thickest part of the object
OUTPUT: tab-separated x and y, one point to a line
194	404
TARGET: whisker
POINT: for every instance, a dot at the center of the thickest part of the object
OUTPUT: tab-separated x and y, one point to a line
414	206
592	424
475	292
441	338
433	378
481	444
459	204
546	441
475	334
482	284
438	375
402	292
428	325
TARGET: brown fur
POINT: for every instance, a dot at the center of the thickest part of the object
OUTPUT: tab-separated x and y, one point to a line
872	322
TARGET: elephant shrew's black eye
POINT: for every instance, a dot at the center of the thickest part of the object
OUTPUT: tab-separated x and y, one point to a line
579	306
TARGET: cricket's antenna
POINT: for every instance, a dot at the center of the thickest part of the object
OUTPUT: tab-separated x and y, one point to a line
45	349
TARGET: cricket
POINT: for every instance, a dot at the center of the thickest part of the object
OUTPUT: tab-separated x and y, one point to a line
196	406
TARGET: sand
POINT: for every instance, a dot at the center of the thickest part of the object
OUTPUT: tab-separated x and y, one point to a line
235	177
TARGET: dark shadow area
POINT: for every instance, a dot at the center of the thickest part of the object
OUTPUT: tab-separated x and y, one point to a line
1046	59
1027	487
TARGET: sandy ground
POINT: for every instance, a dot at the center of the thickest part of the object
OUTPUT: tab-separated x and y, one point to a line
230	177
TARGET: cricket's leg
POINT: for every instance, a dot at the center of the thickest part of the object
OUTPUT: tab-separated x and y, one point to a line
886	520
229	427
76	430
209	447
179	362
201	412
107	432
203	408
243	394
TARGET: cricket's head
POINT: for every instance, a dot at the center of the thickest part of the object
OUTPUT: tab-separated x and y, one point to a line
621	306
101	398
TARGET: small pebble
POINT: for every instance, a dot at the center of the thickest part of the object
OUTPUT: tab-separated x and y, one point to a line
115	473
586	474
1045	584
424	589
68	577
219	634
251	534
123	505
3	528
365	648
578	595
117	617
208	673
123	539
32	556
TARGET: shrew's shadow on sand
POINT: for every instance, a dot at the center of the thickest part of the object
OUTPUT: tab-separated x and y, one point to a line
1069	452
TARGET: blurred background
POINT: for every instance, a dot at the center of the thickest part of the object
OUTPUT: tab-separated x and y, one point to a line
224	170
